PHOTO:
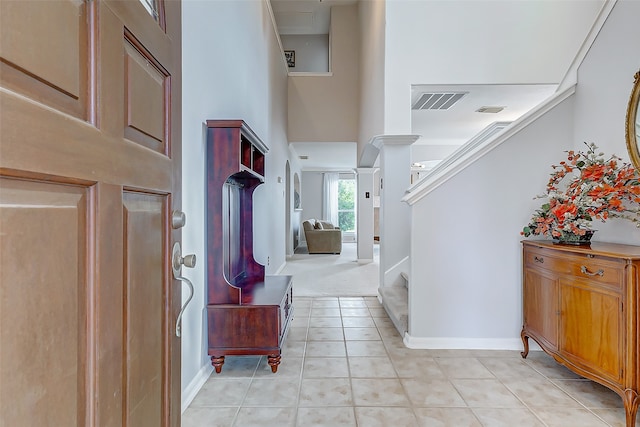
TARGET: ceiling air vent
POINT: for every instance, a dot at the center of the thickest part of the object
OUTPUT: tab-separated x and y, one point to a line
489	110
437	101
303	157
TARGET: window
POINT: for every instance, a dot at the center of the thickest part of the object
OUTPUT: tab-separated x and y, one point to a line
347	205
152	8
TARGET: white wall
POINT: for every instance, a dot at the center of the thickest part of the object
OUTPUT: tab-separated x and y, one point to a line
466	267
466	255
605	80
232	68
311	196
421	152
311	52
514	42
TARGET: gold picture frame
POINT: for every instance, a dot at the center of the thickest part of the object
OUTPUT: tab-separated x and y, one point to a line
632	131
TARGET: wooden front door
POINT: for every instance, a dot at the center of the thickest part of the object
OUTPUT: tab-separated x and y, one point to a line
90	172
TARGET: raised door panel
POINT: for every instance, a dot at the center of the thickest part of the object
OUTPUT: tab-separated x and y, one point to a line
147	97
146	316
44	303
53	70
591	325
540	296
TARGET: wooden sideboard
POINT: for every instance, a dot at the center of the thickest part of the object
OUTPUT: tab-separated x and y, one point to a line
248	313
581	305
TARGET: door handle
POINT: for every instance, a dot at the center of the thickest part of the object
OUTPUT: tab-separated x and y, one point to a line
177	261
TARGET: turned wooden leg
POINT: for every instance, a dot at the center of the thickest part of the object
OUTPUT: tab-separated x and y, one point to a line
631	401
274	361
525	343
217	362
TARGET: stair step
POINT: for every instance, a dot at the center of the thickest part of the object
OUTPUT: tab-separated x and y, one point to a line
405	276
395	300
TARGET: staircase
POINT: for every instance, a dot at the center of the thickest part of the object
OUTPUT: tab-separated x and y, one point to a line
395	300
395	155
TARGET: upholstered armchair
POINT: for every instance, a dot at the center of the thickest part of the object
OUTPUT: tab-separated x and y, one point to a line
322	237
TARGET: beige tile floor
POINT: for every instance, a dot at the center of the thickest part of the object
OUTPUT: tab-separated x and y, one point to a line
345	365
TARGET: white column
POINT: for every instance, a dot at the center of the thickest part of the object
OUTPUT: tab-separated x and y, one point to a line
395	215
365	177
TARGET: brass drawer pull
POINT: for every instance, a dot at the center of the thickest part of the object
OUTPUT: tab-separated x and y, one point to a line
540	260
600	272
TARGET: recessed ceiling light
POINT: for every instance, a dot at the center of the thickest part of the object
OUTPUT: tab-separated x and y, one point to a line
490	109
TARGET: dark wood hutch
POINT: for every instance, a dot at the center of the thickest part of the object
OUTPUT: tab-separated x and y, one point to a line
248	313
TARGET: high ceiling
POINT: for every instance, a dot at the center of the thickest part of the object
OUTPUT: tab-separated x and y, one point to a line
336	156
304	17
307	17
452	127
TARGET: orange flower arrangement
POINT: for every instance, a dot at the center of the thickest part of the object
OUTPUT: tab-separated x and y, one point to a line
597	189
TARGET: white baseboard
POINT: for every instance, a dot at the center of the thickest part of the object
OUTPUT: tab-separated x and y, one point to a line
453	343
189	393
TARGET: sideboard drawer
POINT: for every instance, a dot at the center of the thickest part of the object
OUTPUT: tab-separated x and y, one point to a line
596	268
540	258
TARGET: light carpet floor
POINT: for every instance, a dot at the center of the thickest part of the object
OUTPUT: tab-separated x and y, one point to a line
318	275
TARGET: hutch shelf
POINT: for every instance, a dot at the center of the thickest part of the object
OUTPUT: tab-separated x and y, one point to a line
580	304
248	313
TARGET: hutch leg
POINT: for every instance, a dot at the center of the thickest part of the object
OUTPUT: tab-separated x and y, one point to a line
525	343
274	361
631	401
217	362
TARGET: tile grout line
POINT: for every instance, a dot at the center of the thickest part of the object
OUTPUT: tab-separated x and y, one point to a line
530	409
344	342
551	380
301	375
246	392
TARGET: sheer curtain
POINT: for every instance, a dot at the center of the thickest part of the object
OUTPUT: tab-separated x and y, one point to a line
330	198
